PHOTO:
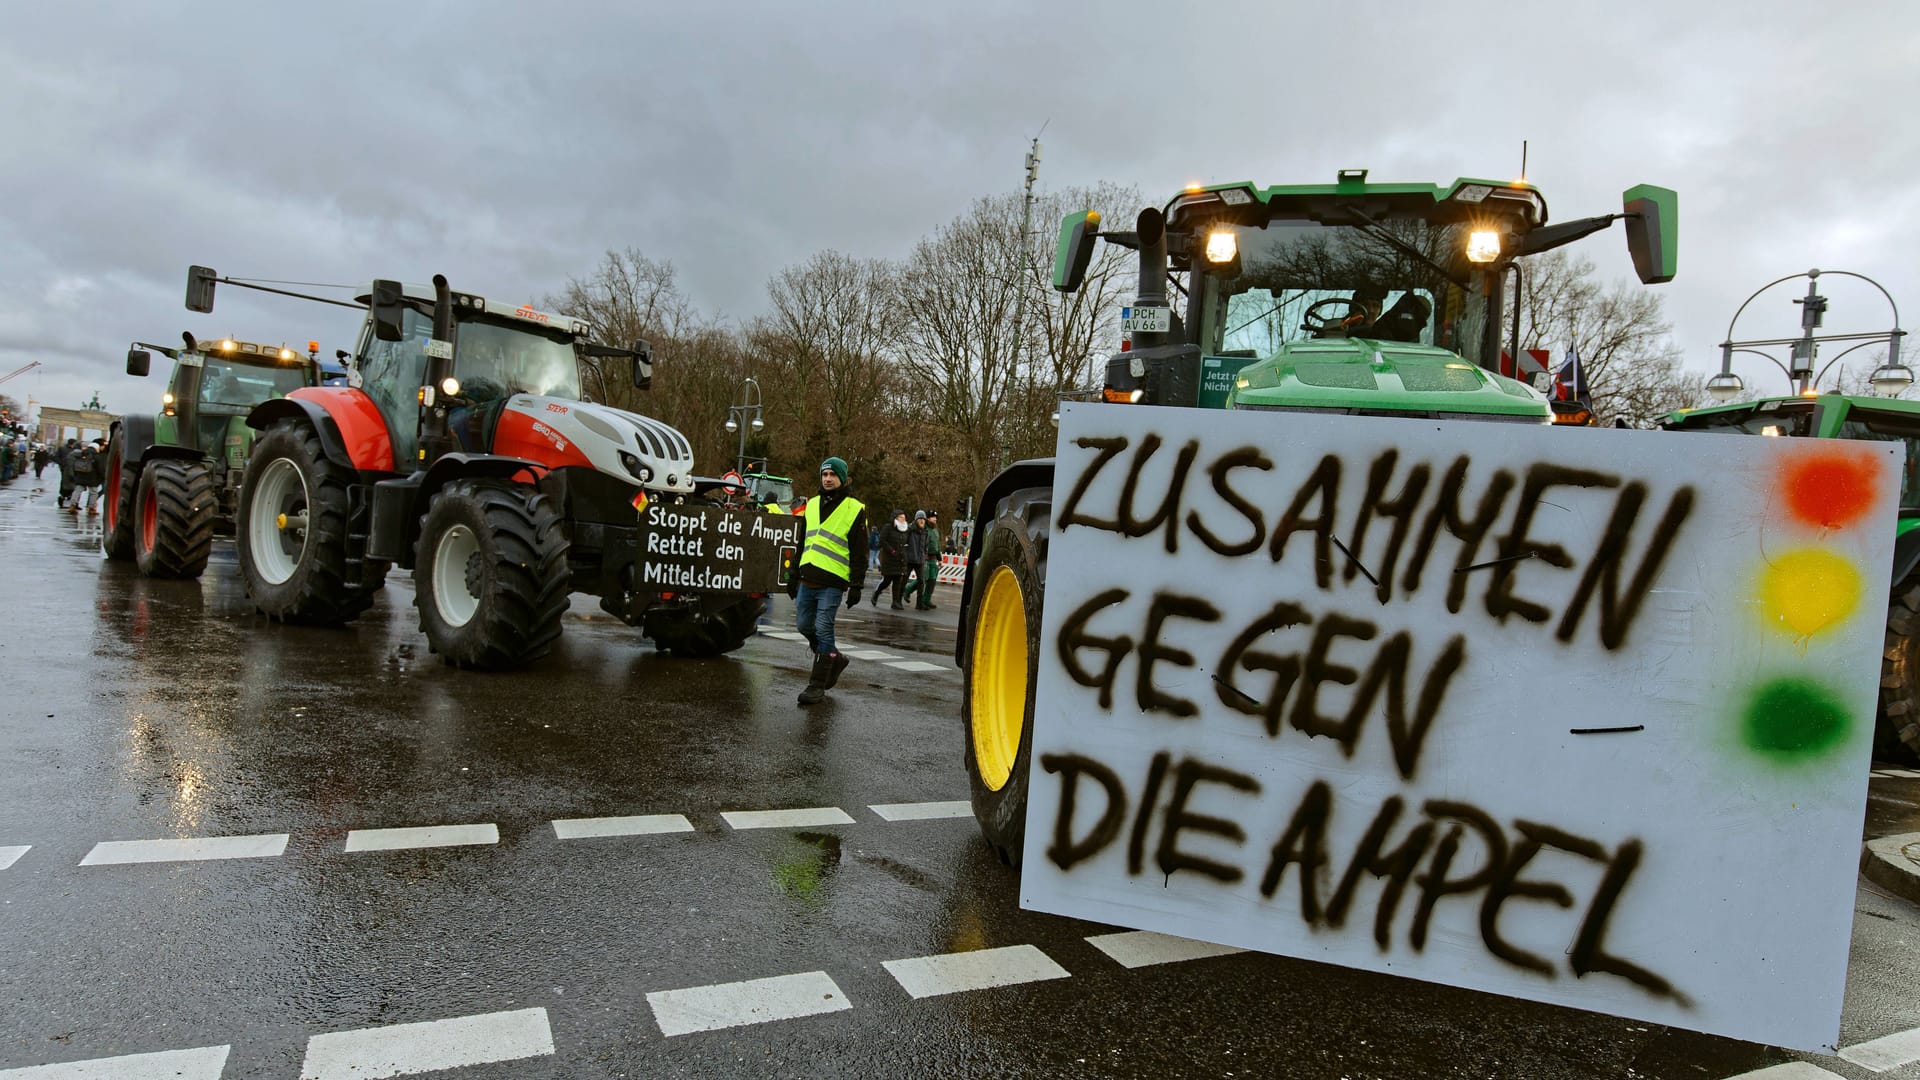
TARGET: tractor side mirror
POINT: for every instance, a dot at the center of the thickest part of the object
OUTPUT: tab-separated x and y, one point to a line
642	365
1653	231
1070	258
388	309
200	281
139	362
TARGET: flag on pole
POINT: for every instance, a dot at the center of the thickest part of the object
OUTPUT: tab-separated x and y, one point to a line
1571	383
640	501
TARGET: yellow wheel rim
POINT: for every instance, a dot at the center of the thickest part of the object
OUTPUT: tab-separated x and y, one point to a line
999	699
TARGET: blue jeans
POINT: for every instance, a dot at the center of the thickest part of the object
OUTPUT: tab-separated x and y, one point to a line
814	610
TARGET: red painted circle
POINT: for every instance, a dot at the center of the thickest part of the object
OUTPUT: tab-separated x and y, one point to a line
1831	489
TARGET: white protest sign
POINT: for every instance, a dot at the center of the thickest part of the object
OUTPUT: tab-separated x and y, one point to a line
1576	716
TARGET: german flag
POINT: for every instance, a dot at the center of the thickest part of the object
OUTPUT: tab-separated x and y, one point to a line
640	501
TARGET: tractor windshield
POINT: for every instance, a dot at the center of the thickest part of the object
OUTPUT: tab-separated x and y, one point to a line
497	359
225	385
1300	279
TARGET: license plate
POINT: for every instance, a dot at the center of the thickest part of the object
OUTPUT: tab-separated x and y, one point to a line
1145	320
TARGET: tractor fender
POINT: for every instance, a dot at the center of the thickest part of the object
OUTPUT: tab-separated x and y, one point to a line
135	434
399	504
349	424
1033	472
1906	555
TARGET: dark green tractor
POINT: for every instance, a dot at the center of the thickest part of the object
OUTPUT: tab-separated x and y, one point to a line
173	477
1845	416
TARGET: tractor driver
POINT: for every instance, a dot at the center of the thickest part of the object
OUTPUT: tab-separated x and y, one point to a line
469	417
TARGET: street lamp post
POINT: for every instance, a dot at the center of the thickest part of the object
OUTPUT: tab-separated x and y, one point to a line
742	416
1890	378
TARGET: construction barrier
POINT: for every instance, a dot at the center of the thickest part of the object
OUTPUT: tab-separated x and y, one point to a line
953	569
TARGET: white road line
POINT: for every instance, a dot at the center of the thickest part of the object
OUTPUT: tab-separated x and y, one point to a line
786	819
917	665
427	836
187	849
922	811
1144	948
869	654
640	825
783	635
951	973
1888	1052
755	1001
11	855
1792	1070
203	1063
1906	774
435	1044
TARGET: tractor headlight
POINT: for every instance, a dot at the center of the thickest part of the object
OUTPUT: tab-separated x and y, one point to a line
450	386
1483	246
227	345
632	464
1222	246
166	398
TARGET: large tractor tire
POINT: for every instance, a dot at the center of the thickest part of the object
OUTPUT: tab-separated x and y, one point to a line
292	528
1896	736
490	574
123	485
712	634
177	506
1003	656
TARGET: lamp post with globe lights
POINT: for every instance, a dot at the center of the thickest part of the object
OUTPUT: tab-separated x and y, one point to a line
741	417
1888	380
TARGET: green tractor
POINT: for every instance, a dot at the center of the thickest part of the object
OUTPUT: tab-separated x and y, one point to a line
173	478
1351	297
1846	416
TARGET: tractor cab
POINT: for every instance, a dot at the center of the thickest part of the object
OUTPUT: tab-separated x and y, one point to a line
1826	416
1350	297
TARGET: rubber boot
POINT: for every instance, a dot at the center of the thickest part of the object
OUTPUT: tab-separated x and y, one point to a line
816	689
836	663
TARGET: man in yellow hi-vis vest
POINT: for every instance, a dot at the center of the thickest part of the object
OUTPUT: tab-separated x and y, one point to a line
833	565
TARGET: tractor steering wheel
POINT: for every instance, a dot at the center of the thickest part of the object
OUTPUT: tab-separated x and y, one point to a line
1320	324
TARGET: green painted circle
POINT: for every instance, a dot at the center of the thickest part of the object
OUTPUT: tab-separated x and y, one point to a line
1794	720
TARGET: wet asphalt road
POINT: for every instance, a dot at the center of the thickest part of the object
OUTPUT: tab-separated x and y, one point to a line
138	710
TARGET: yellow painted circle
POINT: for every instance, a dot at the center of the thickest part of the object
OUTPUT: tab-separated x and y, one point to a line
999	699
1807	591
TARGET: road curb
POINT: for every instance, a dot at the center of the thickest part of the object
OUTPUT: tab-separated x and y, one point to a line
1893	863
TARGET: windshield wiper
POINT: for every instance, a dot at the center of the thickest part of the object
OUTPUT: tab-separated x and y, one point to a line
1378	231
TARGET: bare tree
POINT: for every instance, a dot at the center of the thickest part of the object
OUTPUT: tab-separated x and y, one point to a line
1619	331
822	357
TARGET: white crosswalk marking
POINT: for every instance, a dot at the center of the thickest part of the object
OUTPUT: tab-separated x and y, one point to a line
11	855
202	1063
1887	1052
922	811
1792	1070
755	1001
783	635
641	825
186	849
1142	948
981	969
786	819
917	665
426	836
869	654
436	1044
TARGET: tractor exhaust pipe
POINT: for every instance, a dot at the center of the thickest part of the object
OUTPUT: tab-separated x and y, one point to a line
1151	226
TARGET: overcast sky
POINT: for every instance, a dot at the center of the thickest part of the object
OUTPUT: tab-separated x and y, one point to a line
510	146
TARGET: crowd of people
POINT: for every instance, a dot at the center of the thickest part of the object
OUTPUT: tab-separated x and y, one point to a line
82	466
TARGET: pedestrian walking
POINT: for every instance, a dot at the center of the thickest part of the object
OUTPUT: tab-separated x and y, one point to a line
42	457
833	564
893	559
929	569
63	457
88	461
